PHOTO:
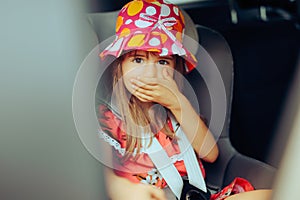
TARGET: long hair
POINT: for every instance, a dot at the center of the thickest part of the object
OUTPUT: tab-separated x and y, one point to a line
135	119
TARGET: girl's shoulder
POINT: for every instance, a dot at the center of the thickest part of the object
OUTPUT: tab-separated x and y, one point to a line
110	123
103	110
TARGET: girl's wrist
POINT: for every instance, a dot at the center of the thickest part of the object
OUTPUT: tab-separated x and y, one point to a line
180	100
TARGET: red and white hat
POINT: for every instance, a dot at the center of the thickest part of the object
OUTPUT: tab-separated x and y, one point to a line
150	25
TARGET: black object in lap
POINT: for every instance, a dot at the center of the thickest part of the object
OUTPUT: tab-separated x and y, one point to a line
190	192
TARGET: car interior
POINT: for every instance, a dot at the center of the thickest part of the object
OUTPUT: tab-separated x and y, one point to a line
253	52
254	44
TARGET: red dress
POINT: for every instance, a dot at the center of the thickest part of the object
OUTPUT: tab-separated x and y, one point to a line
141	169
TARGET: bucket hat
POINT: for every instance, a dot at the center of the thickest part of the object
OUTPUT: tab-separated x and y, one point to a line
150	25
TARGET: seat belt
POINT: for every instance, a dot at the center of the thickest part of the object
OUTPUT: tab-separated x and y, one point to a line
189	158
166	168
164	163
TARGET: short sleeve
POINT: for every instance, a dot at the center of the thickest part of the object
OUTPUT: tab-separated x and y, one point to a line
111	125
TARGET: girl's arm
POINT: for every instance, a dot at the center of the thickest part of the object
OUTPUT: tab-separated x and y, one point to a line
193	126
119	188
165	92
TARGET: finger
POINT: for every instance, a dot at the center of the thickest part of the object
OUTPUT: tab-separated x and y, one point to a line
139	84
142	100
152	83
158	194
143	97
141	90
148	80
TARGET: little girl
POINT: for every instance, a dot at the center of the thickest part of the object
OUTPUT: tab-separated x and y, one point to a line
158	138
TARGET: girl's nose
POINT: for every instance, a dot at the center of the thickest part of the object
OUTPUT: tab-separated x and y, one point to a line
150	70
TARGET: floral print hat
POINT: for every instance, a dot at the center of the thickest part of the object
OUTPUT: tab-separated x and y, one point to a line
150	25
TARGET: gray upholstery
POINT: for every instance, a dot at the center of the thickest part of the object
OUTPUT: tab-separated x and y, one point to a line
103	24
230	163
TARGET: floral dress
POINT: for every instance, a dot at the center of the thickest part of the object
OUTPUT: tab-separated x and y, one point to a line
140	169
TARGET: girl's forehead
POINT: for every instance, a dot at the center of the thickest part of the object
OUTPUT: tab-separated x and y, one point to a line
138	52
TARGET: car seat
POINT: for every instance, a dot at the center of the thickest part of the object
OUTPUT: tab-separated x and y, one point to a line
230	163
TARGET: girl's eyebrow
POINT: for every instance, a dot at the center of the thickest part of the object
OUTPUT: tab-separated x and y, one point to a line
145	55
166	57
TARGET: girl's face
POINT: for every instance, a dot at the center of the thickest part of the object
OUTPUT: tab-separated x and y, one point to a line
145	64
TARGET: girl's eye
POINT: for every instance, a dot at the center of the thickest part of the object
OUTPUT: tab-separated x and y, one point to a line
163	62
138	60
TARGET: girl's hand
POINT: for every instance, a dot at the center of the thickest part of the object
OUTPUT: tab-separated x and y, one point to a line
162	90
119	188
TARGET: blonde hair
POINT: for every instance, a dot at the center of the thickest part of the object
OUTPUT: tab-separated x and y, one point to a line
135	120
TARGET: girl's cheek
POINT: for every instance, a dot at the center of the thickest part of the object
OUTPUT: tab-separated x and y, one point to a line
127	83
170	71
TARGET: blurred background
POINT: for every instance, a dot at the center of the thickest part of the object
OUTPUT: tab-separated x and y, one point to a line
42	46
